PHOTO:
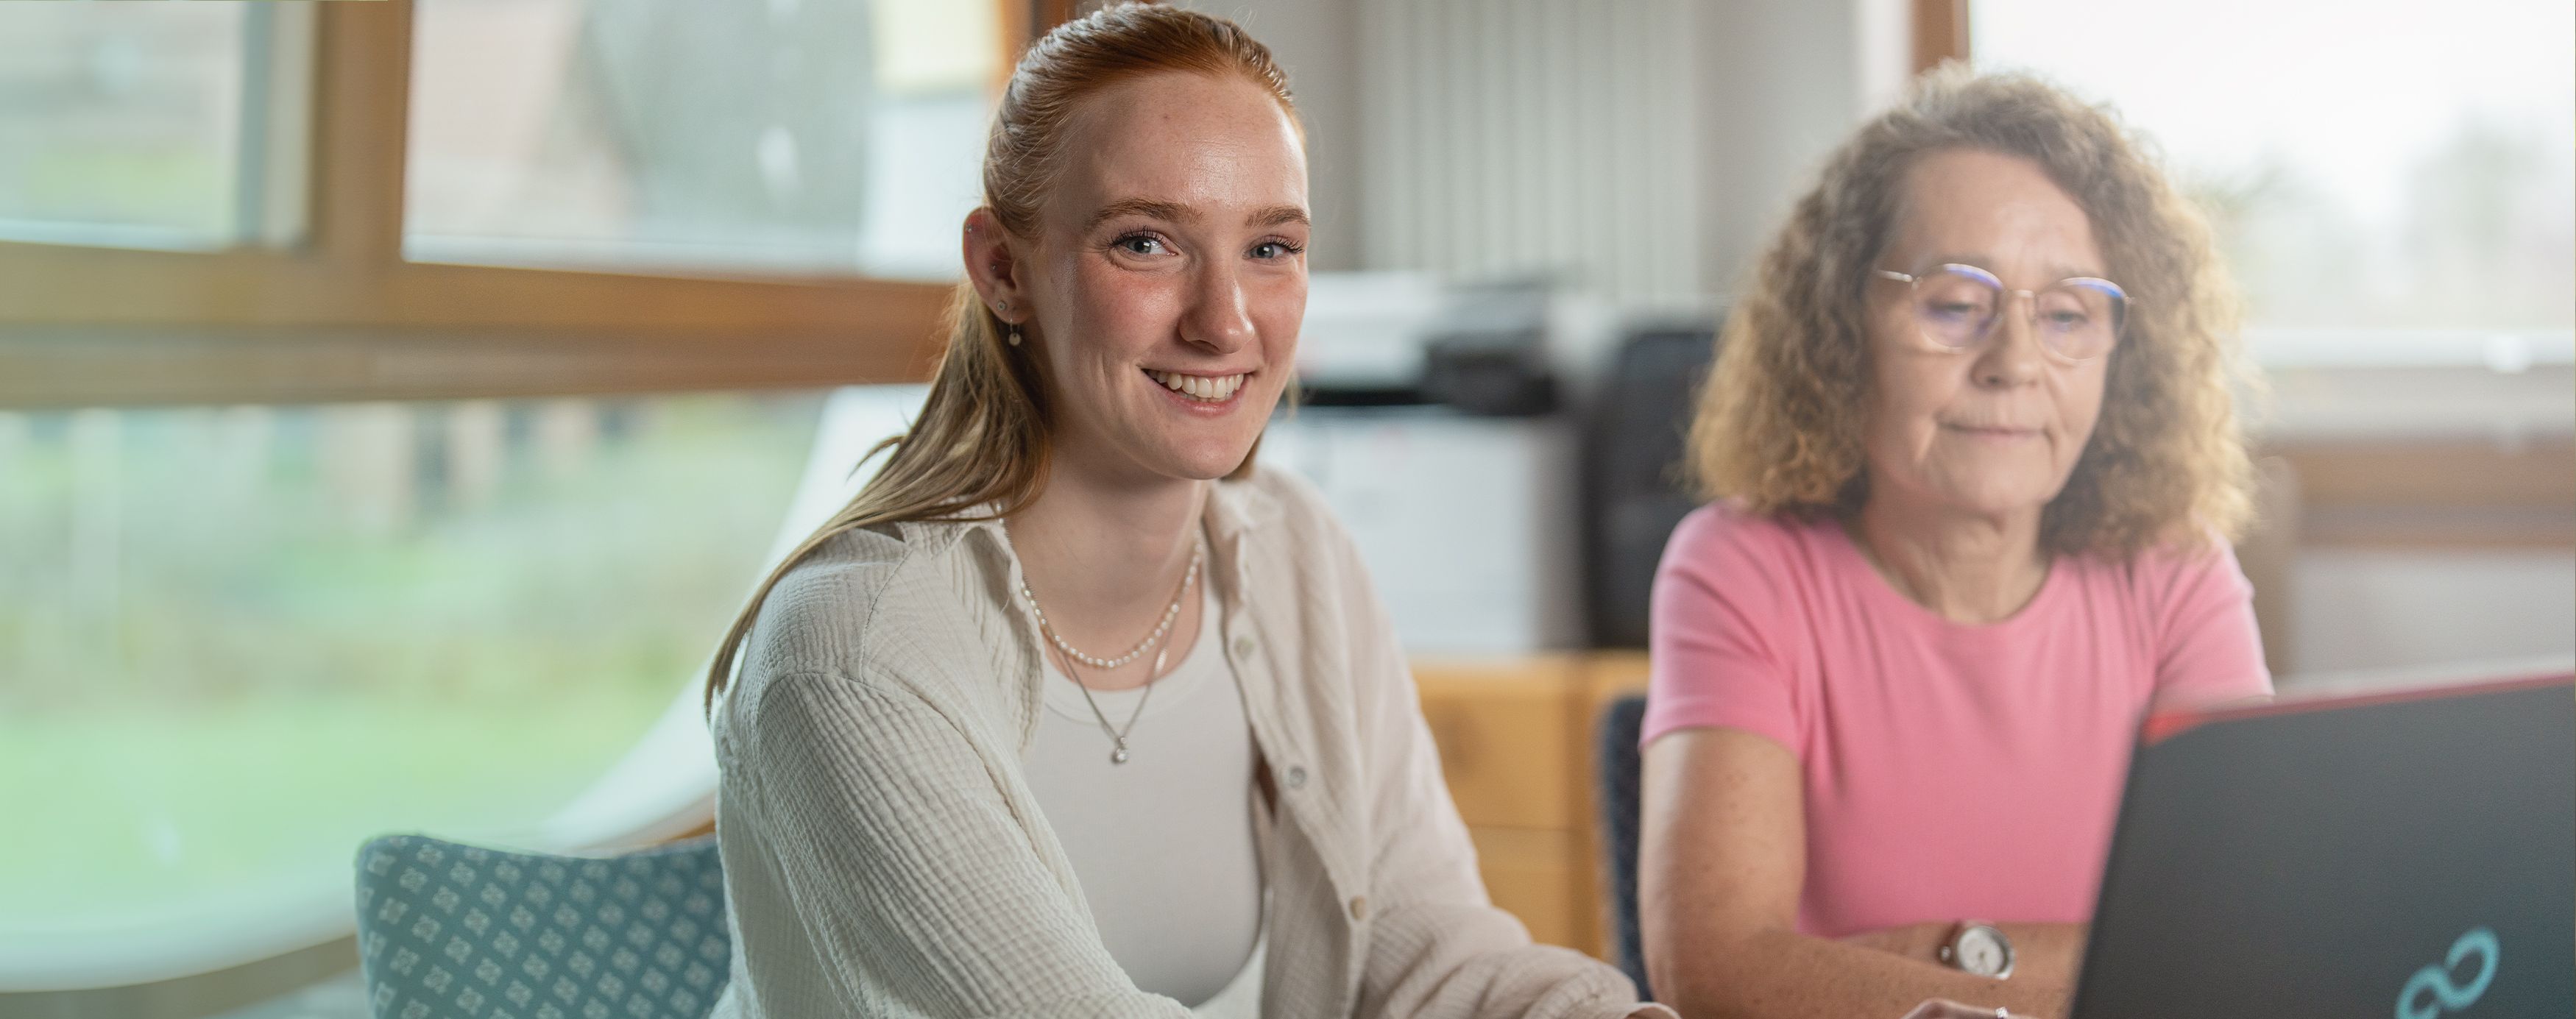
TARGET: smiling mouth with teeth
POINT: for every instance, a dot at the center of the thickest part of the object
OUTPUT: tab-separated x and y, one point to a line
1203	388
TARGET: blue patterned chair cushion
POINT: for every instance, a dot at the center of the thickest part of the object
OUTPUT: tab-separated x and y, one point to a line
449	930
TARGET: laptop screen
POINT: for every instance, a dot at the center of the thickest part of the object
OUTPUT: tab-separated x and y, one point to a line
2409	854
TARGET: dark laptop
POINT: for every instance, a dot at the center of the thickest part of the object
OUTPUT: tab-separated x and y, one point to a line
2407	854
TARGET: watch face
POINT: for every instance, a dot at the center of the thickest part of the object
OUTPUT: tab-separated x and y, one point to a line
1982	951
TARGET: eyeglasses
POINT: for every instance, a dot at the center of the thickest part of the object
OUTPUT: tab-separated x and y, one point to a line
1957	307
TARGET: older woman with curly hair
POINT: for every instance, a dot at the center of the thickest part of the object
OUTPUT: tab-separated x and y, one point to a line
1976	463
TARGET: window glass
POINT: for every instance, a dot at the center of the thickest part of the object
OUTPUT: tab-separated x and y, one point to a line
2380	173
235	642
798	136
122	124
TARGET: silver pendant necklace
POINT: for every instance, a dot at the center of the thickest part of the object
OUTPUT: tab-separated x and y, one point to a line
1117	735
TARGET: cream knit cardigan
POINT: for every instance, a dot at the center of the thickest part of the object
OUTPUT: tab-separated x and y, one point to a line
883	855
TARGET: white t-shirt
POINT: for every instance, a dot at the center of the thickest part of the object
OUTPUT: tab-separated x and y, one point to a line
1163	844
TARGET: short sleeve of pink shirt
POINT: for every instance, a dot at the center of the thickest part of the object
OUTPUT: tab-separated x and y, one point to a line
1952	771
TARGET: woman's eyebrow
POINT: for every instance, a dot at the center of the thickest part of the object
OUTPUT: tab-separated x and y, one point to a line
1277	215
1175	212
1168	211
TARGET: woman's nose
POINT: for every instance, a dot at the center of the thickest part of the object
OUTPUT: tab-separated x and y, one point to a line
1218	316
2014	355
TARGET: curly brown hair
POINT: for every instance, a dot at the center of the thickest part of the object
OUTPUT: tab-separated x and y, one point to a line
1777	426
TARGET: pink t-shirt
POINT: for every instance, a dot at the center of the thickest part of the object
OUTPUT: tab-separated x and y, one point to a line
1952	771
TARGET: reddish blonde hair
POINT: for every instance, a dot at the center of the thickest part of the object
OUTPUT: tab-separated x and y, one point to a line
981	448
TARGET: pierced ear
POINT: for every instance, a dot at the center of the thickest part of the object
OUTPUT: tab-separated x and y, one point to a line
994	267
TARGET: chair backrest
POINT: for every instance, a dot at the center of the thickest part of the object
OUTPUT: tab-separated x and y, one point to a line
1616	761
1633	495
453	930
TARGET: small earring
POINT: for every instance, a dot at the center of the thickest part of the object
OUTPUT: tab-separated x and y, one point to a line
1015	336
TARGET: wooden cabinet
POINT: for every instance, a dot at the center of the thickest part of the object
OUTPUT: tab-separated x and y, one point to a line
1516	745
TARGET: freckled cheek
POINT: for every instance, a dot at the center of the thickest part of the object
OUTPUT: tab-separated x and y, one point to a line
1124	317
1277	312
1275	295
1279	340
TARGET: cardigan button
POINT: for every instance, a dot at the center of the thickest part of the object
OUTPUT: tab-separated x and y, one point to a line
1243	647
1296	777
1359	907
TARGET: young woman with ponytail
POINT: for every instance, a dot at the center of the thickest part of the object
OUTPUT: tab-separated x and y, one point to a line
1074	711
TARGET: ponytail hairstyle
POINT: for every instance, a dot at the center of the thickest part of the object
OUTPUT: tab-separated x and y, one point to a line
980	450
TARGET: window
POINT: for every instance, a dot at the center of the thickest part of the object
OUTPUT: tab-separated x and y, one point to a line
2394	190
236	641
139	127
2388	183
341	316
330	501
802	136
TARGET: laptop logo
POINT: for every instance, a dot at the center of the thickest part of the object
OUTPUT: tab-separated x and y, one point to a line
2435	980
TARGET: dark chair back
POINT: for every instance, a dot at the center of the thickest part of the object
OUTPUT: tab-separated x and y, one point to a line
1616	761
1633	494
455	930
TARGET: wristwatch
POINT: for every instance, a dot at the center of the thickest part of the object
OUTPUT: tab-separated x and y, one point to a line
1976	947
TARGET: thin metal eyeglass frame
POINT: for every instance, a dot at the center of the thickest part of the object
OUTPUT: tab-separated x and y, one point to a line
2119	309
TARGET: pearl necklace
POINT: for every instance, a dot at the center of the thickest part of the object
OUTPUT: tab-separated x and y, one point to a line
1117	736
1160	628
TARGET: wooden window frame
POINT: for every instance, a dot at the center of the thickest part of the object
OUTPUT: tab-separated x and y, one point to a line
344	317
1940	33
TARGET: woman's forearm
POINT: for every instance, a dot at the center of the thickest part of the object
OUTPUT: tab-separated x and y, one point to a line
1721	859
1781	974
